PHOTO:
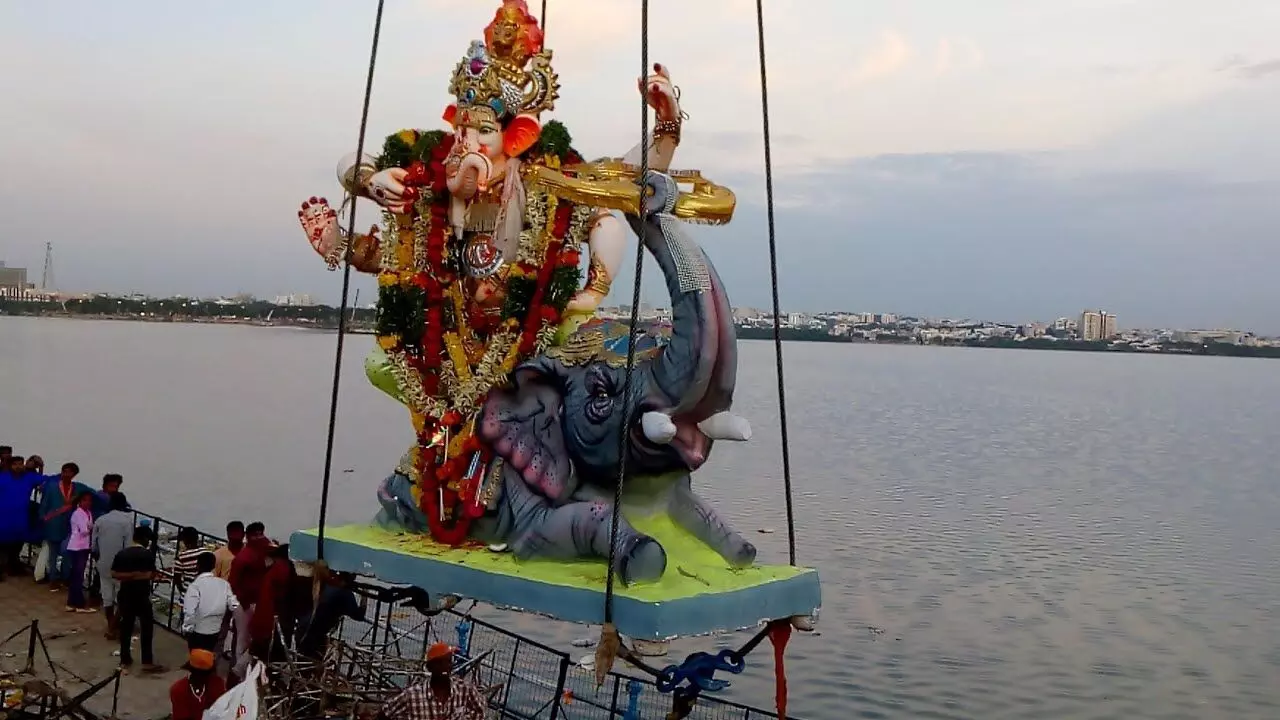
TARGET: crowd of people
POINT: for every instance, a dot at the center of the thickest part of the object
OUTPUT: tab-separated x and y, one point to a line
242	601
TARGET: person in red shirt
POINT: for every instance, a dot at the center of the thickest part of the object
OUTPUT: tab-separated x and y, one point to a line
271	599
247	572
250	565
195	693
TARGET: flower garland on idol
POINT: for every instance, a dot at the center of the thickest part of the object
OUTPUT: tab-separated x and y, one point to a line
446	355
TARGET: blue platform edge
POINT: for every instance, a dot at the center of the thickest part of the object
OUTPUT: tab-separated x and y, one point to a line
697	615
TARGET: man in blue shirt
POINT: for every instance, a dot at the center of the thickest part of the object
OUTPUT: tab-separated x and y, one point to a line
57	501
16	484
111	483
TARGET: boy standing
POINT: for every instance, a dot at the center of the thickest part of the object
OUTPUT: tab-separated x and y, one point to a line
134	568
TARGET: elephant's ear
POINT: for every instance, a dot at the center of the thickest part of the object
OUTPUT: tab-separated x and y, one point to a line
523	426
521	134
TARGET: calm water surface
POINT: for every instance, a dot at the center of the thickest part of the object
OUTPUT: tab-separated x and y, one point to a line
1001	534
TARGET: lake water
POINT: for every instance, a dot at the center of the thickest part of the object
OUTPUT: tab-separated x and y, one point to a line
1001	534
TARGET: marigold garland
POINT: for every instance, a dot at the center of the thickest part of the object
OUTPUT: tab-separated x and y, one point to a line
444	354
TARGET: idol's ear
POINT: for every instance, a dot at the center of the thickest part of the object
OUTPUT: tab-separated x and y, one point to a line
521	134
521	425
451	114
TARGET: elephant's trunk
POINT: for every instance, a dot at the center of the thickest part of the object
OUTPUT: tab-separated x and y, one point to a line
470	176
695	373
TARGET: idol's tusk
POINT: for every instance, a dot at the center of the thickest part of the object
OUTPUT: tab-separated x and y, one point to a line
726	426
658	427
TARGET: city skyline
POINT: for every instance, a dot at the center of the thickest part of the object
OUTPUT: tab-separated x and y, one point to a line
981	162
1093	324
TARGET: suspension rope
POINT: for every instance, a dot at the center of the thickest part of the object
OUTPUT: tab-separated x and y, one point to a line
627	408
543	18
773	281
346	288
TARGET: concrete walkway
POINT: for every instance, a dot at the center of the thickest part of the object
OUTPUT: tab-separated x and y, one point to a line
81	654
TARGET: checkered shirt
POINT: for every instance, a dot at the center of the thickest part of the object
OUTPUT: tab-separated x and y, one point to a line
420	703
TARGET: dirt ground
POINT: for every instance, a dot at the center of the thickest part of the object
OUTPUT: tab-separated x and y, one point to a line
81	655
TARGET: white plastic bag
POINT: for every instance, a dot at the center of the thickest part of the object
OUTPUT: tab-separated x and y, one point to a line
241	701
42	563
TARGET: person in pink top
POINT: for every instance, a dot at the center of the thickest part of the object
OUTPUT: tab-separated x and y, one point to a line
78	544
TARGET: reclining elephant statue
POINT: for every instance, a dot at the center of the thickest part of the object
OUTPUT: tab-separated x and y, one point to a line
556	430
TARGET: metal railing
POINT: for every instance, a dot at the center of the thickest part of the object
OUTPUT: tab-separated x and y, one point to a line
535	681
168	589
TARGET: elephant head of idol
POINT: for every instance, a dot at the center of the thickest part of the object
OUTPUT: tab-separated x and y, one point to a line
500	87
569	413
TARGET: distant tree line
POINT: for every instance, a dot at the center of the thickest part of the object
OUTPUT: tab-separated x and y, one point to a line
790	334
325	316
179	309
1169	348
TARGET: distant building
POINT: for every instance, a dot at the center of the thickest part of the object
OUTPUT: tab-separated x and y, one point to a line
1097	325
12	277
302	300
14	285
1230	337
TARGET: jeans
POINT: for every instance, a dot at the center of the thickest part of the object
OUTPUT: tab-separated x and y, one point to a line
75	584
59	561
141	613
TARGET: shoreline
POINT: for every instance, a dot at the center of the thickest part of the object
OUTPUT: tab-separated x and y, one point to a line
789	335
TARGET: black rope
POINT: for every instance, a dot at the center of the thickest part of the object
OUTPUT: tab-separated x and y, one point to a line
346	288
543	17
741	653
773	279
635	311
635	662
667	675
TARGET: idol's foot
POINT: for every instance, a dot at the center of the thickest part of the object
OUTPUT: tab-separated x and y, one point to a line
320	223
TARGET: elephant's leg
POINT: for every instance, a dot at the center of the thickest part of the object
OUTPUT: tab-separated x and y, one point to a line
576	530
698	517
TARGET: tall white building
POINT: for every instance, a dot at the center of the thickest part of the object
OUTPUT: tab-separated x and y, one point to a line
1097	325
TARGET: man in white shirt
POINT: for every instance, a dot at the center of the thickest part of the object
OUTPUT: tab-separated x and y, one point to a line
112	533
206	604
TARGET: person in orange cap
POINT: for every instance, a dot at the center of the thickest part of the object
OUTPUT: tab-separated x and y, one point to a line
441	697
192	695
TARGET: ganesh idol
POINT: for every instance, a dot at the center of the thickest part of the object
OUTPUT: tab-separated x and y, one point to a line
478	253
501	88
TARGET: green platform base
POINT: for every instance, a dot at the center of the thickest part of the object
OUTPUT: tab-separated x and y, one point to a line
698	593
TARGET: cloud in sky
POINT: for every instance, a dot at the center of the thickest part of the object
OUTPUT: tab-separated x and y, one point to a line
890	53
1241	67
1006	159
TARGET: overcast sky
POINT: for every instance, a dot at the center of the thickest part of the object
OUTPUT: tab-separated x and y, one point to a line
999	159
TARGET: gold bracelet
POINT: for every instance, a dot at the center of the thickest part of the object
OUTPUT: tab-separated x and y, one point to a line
353	181
598	279
667	128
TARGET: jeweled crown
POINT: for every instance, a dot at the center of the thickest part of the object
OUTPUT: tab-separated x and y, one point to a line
509	71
